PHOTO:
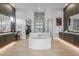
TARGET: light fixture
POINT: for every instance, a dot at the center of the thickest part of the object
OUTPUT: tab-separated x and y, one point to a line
11	18
39	8
66	4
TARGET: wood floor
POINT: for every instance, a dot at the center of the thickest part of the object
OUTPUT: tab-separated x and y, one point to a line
20	48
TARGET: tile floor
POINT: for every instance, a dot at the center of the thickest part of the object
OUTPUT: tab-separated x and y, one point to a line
19	48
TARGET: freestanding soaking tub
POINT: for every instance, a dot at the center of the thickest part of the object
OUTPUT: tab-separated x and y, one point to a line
39	41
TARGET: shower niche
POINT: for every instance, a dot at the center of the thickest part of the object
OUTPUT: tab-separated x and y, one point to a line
39	24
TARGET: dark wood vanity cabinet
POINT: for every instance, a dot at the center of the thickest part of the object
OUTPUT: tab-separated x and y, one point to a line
69	37
6	39
76	40
61	35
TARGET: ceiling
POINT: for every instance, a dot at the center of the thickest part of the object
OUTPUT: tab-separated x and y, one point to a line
24	6
21	8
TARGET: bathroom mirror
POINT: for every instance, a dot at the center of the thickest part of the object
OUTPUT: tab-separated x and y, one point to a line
73	23
5	23
7	18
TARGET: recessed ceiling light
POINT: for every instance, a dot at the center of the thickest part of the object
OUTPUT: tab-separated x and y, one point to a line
66	4
39	8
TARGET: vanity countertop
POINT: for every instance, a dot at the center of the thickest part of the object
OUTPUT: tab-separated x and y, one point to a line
7	33
76	33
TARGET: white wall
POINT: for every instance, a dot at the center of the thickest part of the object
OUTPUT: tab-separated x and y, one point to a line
51	15
29	14
20	26
57	29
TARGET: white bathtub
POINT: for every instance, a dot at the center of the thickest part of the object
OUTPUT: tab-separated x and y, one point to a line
39	41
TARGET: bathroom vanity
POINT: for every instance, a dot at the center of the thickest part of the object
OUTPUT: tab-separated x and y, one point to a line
7	24
6	38
70	37
71	24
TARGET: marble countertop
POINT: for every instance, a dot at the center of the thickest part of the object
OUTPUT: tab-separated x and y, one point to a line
7	33
71	33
